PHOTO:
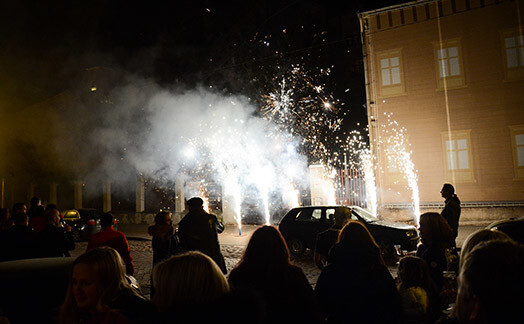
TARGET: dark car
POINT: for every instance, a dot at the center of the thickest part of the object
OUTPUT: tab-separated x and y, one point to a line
301	225
513	227
84	222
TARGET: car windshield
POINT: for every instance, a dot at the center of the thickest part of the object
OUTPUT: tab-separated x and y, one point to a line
368	217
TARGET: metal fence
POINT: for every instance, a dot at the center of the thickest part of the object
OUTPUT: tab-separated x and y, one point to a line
350	187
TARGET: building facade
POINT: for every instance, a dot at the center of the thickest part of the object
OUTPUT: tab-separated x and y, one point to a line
445	102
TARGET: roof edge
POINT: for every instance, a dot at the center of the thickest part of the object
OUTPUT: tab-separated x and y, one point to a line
394	7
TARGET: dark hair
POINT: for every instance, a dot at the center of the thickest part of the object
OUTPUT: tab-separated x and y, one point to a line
356	232
492	271
34	201
4	213
440	232
449	187
106	219
160	218
50	214
195	202
18	206
50	206
266	250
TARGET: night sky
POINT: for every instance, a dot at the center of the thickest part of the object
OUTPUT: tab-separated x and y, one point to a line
234	47
43	44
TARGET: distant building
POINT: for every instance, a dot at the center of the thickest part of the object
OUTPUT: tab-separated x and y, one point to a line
445	81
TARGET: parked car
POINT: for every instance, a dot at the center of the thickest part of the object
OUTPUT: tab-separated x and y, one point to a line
301	225
84	222
513	227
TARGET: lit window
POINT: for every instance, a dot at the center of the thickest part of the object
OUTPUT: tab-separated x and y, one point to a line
450	73
457	156
448	62
390	71
517	141
390	74
512	42
457	151
514	46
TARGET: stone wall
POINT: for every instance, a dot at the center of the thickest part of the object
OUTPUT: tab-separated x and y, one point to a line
478	216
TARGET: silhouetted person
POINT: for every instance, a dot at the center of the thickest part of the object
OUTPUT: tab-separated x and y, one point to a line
19	207
356	286
36	215
5	219
436	237
491	288
451	211
54	240
164	242
114	239
328	238
198	231
282	287
19	241
420	301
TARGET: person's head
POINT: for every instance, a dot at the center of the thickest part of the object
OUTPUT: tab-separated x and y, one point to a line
187	278
163	218
50	206
341	217
266	247
21	219
107	220
4	214
434	229
447	190
19	208
52	216
490	285
414	272
482	235
35	201
195	204
355	232
97	277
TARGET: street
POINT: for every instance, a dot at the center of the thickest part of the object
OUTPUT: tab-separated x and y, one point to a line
232	245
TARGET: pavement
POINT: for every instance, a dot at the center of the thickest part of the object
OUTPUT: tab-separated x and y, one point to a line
232	243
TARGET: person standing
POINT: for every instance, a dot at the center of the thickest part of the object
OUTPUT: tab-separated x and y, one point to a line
451	211
55	240
198	231
114	239
164	238
328	238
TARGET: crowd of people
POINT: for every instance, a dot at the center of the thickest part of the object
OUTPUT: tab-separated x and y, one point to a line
190	283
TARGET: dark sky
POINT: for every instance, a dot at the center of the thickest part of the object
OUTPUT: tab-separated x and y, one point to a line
44	44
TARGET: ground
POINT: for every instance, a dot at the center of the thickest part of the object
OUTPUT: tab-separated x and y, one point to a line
232	245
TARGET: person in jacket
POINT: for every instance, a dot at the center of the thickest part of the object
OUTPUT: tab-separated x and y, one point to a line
115	239
282	287
451	211
198	232
356	286
99	292
328	238
19	241
420	301
164	240
55	240
436	237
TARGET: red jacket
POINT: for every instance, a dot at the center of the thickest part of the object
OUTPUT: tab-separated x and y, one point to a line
115	239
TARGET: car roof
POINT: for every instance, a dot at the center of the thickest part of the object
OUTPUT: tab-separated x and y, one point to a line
506	221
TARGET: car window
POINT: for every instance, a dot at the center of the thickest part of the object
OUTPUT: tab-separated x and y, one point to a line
309	215
329	213
316	214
